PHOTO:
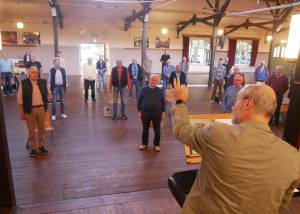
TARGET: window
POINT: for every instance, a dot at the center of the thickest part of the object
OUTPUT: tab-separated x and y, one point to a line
243	52
199	51
279	51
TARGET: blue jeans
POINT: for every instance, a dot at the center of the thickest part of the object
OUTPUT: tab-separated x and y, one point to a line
134	82
58	89
7	77
166	83
116	91
101	81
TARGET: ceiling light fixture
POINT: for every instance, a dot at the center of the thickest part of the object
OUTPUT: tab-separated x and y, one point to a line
20	25
164	31
269	38
220	32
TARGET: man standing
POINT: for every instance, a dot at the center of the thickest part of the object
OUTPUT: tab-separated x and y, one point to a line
33	103
167	70
6	70
147	69
228	67
219	75
61	59
27	58
231	92
230	78
280	84
261	73
119	80
58	85
101	67
151	108
178	74
244	167
164	59
185	67
89	75
135	73
36	64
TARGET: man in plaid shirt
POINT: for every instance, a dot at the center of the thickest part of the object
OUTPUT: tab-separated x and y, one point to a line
219	75
6	68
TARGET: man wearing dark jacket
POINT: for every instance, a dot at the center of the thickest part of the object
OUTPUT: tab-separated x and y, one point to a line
151	108
33	102
178	73
135	73
119	80
58	85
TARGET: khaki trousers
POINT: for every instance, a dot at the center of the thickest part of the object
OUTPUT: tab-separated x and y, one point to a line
217	84
36	119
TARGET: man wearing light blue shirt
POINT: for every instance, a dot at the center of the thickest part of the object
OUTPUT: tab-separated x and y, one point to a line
6	68
231	92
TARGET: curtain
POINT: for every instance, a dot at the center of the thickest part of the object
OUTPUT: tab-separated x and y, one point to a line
185	46
231	51
254	51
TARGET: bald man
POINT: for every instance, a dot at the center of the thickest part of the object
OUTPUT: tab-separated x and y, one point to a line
231	92
244	167
33	103
151	108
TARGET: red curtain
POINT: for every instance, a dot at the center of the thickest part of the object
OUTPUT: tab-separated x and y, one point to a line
254	51
231	51
185	46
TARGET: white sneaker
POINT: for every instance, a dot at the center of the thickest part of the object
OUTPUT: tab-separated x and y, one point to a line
142	147
53	117
64	116
220	102
211	101
157	148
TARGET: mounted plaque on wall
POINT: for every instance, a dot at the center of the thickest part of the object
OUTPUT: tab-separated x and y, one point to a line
9	37
138	42
31	38
162	42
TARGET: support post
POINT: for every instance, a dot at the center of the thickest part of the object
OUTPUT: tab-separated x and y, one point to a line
212	55
270	54
7	193
55	30
144	46
291	132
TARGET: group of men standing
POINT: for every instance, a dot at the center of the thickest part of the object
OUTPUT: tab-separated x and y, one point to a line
235	81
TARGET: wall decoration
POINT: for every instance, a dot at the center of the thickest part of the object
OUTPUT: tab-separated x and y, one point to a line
138	42
162	42
9	37
31	38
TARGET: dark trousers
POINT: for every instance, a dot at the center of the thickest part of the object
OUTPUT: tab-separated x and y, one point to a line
279	98
87	84
147	117
7	77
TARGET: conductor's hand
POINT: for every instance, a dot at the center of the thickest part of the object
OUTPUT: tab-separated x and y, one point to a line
180	92
139	114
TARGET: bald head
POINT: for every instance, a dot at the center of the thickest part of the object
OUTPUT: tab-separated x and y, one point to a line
254	102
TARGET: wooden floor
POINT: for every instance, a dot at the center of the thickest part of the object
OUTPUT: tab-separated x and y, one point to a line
94	165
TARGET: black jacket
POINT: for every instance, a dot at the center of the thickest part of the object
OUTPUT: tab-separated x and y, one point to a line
115	78
181	77
52	78
139	71
27	94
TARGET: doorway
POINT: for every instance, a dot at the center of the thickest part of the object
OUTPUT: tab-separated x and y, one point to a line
91	50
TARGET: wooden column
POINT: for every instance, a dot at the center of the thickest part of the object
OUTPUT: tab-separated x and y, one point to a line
144	45
212	55
291	132
55	30
7	193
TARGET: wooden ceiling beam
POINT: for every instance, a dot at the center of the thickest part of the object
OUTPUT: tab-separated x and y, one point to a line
209	4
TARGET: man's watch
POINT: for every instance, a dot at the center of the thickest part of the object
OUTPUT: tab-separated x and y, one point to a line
180	102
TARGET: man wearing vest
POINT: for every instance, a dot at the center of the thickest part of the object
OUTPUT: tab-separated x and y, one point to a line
33	102
119	79
58	86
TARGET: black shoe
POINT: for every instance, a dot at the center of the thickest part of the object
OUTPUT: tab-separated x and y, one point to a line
43	150
114	117
124	117
94	100
33	153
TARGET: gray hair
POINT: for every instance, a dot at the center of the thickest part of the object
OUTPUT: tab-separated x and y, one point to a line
263	96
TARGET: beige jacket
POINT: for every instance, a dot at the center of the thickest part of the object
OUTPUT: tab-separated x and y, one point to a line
245	169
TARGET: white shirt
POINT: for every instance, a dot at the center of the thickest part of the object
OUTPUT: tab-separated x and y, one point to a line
89	71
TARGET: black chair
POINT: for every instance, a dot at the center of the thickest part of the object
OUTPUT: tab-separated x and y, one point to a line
180	184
